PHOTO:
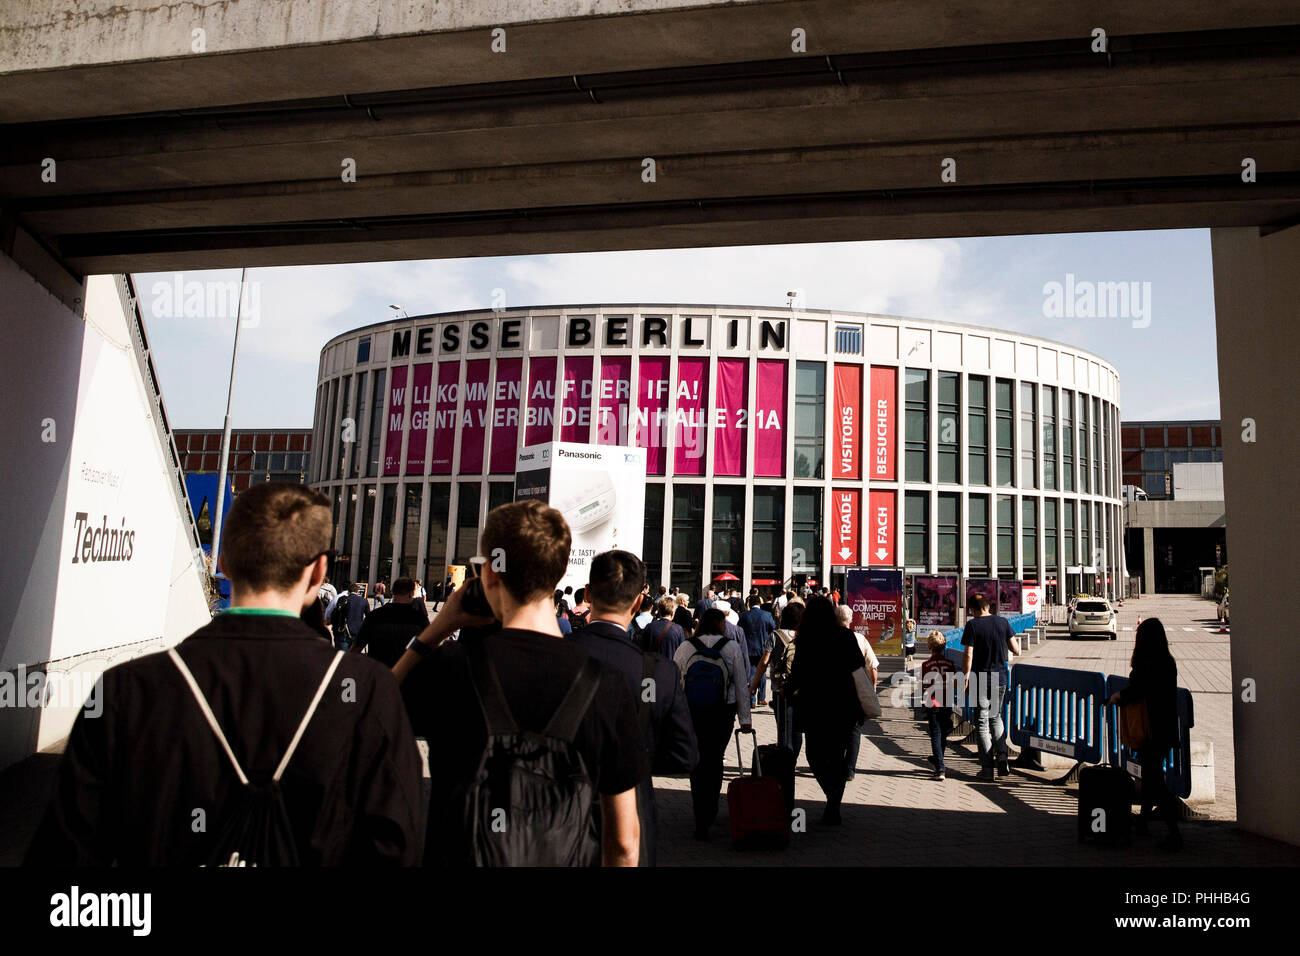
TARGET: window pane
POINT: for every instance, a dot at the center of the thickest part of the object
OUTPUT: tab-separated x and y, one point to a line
435	555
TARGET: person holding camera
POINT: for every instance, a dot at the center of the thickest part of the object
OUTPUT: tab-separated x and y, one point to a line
520	714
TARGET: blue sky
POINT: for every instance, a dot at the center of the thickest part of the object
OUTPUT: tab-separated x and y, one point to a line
1168	369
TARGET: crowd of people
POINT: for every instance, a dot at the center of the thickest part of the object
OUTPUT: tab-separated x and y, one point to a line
285	730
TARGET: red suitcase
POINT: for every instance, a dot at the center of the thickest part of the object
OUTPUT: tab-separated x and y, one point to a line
757	807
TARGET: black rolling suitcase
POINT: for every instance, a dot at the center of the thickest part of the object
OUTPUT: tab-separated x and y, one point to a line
777	761
1105	800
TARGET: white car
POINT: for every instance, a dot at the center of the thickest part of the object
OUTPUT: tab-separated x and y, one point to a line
1094	616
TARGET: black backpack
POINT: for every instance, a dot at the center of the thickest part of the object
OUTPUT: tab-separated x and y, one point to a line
255	828
531	802
339	619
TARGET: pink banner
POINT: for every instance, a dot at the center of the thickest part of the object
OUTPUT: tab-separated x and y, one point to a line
575	414
844	546
421	389
730	410
396	419
474	417
614	398
652	413
769	420
884	396
444	417
539	421
848	427
692	392
506	392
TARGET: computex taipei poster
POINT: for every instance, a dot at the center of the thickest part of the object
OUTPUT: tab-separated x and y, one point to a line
875	596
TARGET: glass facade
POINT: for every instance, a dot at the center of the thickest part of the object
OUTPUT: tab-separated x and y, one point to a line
466	521
916	397
769	531
687	553
435	554
807	538
376	423
949	450
977	429
949	532
652	535
809	419
729	530
1028	435
1005	439
1049	438
916	521
1006	536
978	534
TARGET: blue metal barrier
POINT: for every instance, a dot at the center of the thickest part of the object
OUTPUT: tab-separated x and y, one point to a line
1177	763
1058	710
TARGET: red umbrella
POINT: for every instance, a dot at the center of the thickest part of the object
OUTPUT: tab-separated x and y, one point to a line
725	576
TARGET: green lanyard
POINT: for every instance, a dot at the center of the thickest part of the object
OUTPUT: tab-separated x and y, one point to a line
259	611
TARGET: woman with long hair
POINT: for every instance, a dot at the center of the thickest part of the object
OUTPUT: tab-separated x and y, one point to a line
1153	681
827	707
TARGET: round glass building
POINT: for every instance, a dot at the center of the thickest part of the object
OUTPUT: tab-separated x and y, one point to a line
782	444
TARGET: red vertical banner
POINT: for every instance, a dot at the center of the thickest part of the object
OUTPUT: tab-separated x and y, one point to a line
652	412
884	422
880	529
396	420
506	392
844	544
730	414
688	422
421	392
445	425
474	416
848	422
575	413
769	420
614	400
539	421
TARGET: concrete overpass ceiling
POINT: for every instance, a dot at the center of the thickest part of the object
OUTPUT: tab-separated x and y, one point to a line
754	144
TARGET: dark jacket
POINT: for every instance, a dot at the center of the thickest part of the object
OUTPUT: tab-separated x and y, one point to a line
672	743
821	680
682	618
387	630
132	777
1158	686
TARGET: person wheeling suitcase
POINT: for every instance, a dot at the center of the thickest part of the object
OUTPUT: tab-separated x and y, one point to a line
713	669
757	805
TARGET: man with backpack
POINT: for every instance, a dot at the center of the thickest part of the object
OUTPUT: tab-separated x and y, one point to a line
527	732
346	614
250	720
715	677
615	589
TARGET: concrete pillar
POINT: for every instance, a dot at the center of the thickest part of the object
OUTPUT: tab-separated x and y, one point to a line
1148	561
1256	287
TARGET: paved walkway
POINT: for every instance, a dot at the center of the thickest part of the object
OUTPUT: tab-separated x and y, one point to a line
895	813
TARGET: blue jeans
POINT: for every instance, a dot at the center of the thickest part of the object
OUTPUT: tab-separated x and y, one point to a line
939	720
342	640
990	731
762	680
